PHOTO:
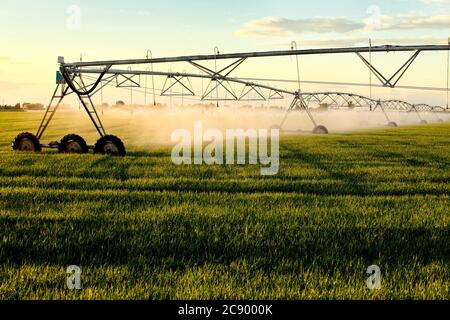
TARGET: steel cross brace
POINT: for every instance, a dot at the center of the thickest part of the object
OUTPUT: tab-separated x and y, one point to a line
92	113
133	84
334	99
69	84
296	102
252	89
179	80
379	104
49	112
417	112
218	77
275	95
396	76
106	82
349	101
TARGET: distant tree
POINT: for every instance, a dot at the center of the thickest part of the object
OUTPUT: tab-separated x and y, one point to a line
120	103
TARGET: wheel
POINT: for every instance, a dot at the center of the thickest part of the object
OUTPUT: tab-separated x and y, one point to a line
320	130
392	124
73	143
110	145
26	142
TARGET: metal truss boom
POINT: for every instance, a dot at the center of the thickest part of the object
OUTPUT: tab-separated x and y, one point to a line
178	74
106	72
351	99
384	48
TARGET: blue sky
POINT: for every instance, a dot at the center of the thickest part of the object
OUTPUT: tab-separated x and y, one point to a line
34	33
193	25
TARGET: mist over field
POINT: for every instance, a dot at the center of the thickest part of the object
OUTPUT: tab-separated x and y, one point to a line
150	128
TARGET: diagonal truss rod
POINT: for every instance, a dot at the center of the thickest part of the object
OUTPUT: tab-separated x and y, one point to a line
395	78
92	111
380	105
251	88
133	84
105	82
212	73
178	80
298	103
82	91
51	110
218	77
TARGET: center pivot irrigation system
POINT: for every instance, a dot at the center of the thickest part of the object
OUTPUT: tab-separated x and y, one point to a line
71	81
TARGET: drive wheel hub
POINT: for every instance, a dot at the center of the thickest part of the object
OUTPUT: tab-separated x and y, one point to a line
111	149
26	145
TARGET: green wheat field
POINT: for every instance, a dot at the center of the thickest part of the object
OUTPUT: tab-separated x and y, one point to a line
142	228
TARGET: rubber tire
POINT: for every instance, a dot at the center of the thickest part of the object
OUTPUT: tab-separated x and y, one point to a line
392	124
29	136
73	138
99	147
320	130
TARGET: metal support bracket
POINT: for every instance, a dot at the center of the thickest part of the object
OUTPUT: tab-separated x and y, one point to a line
178	80
275	95
298	103
82	92
380	105
51	110
395	78
218	78
250	89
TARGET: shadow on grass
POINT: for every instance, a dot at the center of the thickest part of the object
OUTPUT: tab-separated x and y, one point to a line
182	241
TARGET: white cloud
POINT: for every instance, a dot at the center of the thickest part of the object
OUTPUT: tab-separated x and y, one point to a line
281	27
355	41
276	26
414	21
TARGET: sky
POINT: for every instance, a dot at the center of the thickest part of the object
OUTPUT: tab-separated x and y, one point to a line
34	33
